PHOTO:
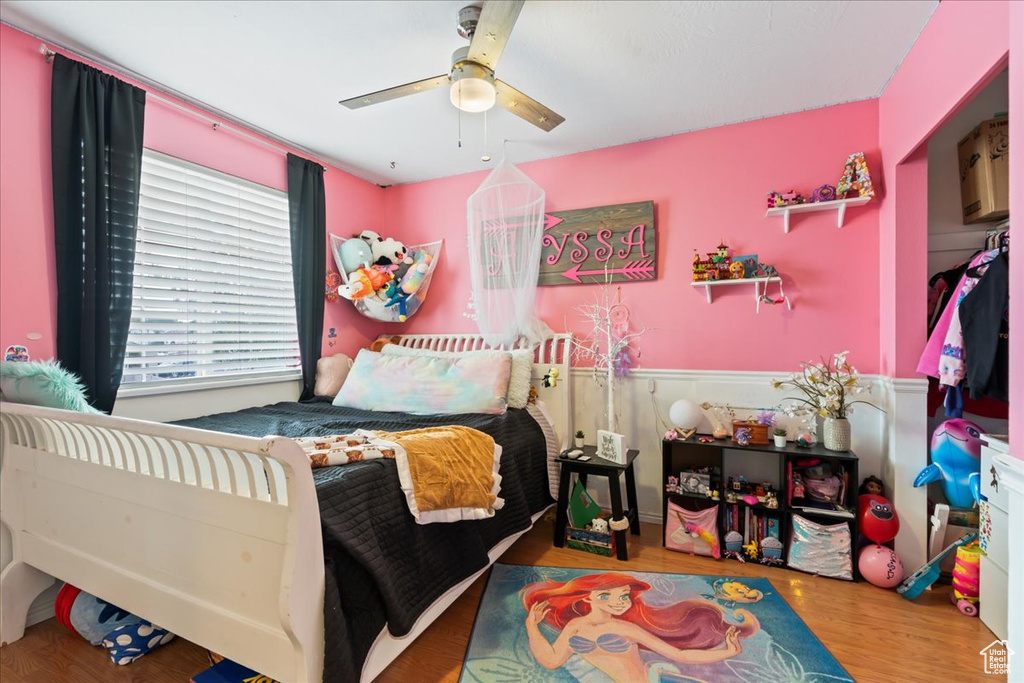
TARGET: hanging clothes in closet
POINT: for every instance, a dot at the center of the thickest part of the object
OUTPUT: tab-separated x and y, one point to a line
948	353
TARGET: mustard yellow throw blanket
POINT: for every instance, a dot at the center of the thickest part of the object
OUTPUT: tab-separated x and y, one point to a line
448	474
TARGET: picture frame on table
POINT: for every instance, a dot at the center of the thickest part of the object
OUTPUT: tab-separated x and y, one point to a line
611	446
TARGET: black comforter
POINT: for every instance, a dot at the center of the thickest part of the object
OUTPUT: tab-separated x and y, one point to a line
380	566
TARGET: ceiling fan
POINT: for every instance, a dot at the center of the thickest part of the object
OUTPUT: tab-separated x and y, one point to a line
473	85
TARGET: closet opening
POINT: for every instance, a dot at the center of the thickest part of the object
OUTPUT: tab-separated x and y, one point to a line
966	355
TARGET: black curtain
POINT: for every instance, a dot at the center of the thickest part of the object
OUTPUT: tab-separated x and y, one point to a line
308	217
96	128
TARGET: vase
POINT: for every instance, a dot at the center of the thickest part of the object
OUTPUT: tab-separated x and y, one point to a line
780	441
579	442
836	434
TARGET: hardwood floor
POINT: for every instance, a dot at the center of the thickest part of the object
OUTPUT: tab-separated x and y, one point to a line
876	634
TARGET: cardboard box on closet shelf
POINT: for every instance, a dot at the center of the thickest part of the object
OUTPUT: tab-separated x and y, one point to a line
985	171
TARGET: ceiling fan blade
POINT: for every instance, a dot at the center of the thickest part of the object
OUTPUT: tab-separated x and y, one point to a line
492	30
396	92
525	107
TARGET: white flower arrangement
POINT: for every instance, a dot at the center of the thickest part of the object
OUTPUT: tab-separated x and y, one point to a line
827	387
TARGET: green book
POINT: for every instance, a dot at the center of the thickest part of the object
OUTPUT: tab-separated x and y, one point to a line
582	508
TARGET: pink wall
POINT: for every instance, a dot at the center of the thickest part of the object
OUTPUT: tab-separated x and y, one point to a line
707	186
930	86
963	44
27	277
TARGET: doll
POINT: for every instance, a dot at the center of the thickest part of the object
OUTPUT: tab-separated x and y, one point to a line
871	485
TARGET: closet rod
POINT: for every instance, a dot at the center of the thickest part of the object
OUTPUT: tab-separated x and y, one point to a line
217	125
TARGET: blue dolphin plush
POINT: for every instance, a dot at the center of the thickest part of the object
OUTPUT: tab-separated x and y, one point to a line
956	461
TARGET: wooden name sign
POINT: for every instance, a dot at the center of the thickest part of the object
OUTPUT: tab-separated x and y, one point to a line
583	245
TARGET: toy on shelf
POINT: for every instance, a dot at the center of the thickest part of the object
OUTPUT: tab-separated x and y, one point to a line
742	436
924	577
714	267
856	178
965	579
551	378
734	545
956	462
825	193
779	199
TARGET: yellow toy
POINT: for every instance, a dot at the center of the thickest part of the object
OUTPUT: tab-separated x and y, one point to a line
551	379
751	550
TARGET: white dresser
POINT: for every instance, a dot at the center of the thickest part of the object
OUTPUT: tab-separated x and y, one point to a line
995	540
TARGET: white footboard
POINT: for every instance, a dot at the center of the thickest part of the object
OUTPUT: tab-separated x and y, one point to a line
212	536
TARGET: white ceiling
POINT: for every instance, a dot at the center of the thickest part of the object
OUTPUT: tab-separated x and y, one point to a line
617	71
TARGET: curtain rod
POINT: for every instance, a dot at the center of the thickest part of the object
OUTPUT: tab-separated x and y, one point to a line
217	125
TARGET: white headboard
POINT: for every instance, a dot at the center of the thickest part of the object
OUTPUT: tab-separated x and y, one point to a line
553	352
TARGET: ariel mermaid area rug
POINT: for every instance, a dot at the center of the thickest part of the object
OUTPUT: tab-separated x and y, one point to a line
557	624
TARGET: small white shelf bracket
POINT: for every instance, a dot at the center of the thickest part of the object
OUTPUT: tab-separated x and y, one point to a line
838	204
758	282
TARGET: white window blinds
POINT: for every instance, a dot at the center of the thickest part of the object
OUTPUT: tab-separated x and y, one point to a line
213	295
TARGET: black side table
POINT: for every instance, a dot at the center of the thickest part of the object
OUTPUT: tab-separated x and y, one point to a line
602	468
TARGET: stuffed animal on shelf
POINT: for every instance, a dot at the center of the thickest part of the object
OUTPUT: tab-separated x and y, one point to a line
551	379
126	636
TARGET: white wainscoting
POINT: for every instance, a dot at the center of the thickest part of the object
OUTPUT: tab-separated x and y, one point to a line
907	444
646	395
892	444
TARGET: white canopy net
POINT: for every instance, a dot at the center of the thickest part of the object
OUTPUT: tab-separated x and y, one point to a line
506	224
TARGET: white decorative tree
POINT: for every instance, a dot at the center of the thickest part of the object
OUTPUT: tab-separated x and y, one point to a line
607	347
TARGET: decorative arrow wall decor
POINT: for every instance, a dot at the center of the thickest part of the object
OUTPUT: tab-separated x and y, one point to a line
582	246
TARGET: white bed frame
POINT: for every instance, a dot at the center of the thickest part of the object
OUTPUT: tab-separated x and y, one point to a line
212	536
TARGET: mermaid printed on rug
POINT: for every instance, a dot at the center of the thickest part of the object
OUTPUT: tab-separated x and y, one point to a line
626	627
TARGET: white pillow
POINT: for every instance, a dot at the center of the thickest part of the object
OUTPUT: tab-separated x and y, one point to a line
519	378
425	385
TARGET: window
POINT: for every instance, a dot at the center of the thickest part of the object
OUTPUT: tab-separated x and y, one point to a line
213	297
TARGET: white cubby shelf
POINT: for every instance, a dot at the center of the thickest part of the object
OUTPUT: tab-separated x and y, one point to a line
838	205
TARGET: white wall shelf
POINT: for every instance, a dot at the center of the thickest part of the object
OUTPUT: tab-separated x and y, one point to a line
834	205
756	281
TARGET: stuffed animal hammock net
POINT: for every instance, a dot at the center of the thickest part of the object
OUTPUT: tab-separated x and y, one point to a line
401	296
505	219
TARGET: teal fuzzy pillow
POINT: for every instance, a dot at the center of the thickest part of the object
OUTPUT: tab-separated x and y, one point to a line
43	384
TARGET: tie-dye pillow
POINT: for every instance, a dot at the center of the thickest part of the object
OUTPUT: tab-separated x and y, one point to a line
427	385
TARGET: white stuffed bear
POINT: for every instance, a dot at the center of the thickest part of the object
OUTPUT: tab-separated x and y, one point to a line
599	525
388	252
370	237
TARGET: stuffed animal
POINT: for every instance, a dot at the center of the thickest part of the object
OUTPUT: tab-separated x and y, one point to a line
364	282
599	525
370	237
389	252
396	296
382	341
414	277
126	636
353	254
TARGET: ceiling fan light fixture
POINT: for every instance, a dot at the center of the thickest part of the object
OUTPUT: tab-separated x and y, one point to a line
473	95
472	88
